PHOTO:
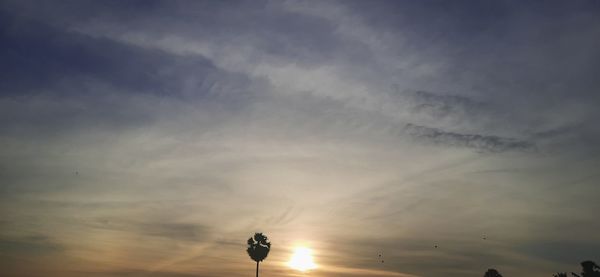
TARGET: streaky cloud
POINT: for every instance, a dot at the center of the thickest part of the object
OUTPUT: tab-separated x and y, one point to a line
483	143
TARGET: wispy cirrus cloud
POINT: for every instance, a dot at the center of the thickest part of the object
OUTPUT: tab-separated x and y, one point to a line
479	142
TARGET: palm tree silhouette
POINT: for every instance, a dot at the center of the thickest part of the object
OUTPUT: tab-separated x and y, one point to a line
258	248
492	273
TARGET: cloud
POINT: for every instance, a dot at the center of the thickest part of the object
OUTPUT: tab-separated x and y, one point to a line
59	82
30	245
39	56
443	105
138	273
480	142
175	231
568	252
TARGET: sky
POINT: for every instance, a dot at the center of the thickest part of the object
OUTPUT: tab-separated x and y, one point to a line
152	138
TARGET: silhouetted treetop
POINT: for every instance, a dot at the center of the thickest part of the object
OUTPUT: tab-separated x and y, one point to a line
492	273
258	247
590	269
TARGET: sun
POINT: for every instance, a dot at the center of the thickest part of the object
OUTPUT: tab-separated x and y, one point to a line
302	259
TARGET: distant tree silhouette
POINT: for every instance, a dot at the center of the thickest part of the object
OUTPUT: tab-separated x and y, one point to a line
590	269
258	248
492	273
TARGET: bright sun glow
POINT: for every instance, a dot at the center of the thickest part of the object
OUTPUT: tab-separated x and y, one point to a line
302	259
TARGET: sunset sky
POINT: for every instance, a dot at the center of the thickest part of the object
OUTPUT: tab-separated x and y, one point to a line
152	138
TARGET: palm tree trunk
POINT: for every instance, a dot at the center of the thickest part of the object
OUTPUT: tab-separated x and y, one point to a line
256	269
